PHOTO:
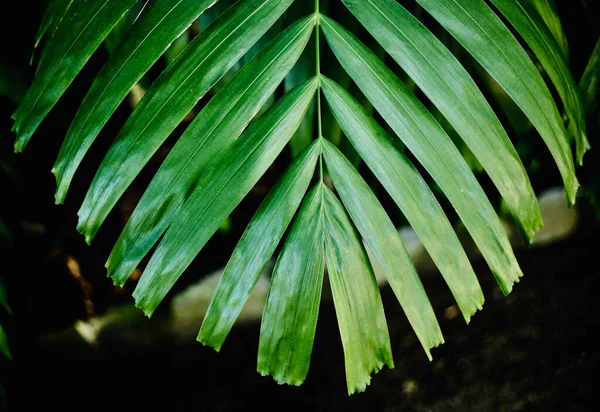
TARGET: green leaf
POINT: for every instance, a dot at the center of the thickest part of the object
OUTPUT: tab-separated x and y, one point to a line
51	18
4	295
4	349
170	99
483	34
382	239
121	31
289	321
78	35
434	149
159	23
412	195
256	247
451	89
356	298
547	10
230	177
212	131
526	20
305	68
590	81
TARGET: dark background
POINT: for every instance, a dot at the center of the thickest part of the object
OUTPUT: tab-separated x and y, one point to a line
534	350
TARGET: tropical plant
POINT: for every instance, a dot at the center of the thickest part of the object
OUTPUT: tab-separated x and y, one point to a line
269	95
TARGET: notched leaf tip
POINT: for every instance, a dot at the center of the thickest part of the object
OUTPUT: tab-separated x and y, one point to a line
217	348
478	307
280	379
140	305
369	376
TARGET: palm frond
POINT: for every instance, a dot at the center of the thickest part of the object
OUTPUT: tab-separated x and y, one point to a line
240	58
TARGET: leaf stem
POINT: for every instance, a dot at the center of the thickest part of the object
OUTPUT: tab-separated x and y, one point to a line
318	74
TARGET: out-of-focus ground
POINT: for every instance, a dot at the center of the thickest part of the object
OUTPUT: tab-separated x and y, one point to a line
532	350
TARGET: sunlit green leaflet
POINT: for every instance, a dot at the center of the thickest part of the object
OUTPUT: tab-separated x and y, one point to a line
230	177
412	195
170	99
483	34
523	16
432	147
451	89
383	240
80	32
256	247
356	297
213	130
289	320
547	10
152	33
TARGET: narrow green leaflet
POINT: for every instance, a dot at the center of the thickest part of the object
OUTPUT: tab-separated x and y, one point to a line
4	349
483	34
382	239
256	247
217	126
547	10
289	321
160	23
170	99
590	81
526	20
434	149
65	55
302	70
305	68
4	296
451	89
218	192
55	10
122	29
62	10
356	298
412	195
